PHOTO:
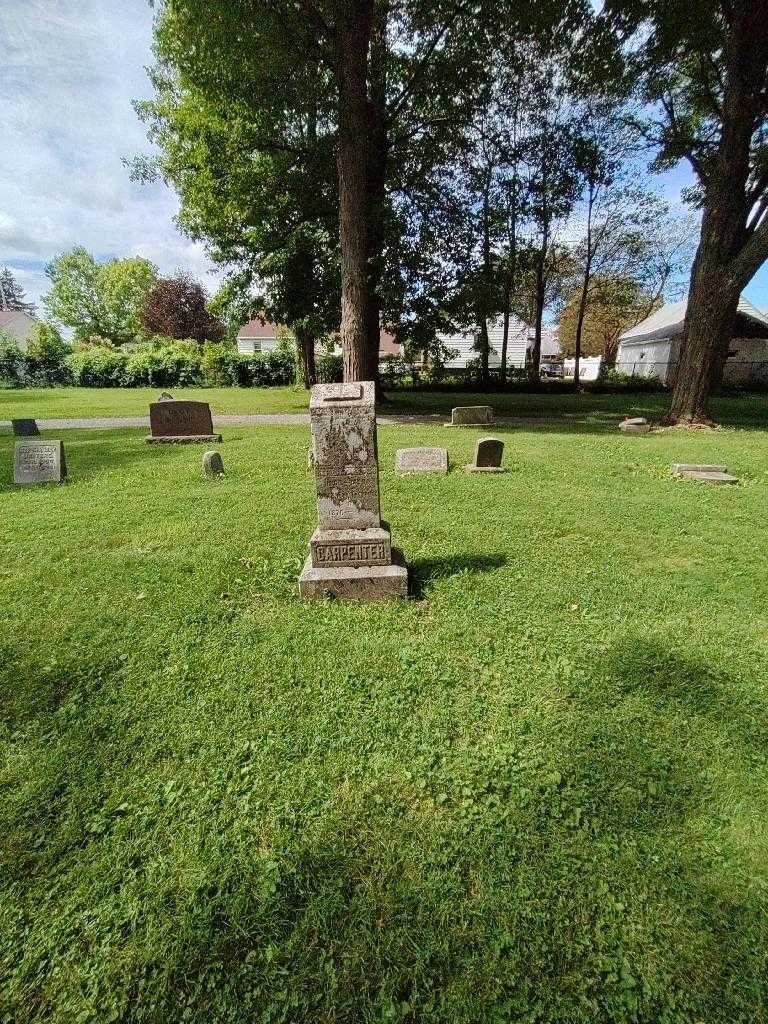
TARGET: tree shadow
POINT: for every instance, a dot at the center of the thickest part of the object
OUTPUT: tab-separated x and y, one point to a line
427	571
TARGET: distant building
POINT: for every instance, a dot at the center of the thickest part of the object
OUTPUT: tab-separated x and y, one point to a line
520	342
257	336
18	325
652	348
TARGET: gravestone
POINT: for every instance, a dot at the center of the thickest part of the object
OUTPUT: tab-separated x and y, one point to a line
706	473
25	428
635	425
488	454
421	460
39	462
213	465
180	422
471	416
350	552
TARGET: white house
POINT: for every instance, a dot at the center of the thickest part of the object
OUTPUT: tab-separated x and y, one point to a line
519	343
18	325
651	349
257	336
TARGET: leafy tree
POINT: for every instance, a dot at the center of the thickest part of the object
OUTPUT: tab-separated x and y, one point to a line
46	352
105	299
702	67
177	308
11	361
12	294
615	305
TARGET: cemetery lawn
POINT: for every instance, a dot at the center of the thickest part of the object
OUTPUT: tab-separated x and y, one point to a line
537	792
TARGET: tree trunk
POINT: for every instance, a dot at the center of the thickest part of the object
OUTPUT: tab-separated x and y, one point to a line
305	349
580	326
534	368
484	347
354	20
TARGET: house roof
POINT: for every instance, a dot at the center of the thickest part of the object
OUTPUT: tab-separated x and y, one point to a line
258	328
7	316
668	321
387	344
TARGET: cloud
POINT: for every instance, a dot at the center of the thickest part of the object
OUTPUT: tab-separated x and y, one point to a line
69	72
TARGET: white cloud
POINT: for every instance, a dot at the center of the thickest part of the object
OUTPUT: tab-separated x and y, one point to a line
69	72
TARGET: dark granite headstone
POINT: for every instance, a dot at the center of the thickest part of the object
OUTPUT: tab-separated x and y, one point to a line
181	422
39	462
488	454
25	428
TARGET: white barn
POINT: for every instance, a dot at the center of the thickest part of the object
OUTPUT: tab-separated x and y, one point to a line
652	348
519	343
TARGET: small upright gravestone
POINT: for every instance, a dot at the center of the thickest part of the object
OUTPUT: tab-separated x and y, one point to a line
351	554
488	454
180	422
25	428
471	416
39	462
213	465
421	460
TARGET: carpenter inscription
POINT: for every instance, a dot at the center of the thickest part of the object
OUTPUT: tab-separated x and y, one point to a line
360	552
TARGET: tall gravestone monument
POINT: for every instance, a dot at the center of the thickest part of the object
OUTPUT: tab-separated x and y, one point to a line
351	554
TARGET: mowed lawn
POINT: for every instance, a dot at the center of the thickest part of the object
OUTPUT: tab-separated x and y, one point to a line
536	792
584	409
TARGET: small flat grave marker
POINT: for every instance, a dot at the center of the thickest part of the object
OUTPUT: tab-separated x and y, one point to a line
180	422
635	425
25	428
39	462
705	473
213	465
471	416
488	455
421	460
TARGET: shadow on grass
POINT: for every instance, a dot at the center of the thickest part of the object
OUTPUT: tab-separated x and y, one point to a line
426	571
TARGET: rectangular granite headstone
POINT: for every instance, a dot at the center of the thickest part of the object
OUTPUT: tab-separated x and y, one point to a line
25	428
421	460
181	422
471	415
39	462
351	555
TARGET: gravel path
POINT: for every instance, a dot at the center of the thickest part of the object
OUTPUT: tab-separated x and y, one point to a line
264	419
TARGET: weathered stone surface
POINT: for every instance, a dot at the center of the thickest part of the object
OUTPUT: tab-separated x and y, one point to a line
25	428
213	465
488	454
635	425
182	422
310	459
331	548
711	478
421	460
351	553
681	468
39	462
363	583
471	415
343	418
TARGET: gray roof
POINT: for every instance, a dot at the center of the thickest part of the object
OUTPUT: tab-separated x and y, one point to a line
668	321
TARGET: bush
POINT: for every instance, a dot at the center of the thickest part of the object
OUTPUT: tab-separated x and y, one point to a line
265	369
330	369
219	365
12	362
46	357
99	366
164	362
614	380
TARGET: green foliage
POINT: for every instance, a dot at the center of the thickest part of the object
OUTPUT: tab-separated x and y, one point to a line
99	298
46	356
265	369
220	804
164	362
97	367
330	369
11	361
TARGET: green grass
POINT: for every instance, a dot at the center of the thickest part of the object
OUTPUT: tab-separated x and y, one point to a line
538	792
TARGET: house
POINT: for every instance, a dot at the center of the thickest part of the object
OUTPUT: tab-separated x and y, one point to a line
18	325
589	367
651	349
519	344
257	336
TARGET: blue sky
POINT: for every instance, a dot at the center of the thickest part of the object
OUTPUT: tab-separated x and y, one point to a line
69	70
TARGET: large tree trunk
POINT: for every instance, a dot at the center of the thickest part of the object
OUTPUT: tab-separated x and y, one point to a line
354	19
484	348
534	367
305	349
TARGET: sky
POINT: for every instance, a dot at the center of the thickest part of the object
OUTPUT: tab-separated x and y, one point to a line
69	71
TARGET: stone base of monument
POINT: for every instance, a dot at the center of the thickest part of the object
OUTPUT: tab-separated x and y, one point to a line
471	468
356	583
185	439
